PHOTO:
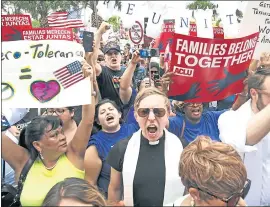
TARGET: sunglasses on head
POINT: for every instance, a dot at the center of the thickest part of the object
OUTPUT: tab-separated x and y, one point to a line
144	112
234	198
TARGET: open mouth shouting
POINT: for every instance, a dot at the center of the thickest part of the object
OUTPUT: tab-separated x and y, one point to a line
114	60
152	131
110	119
196	112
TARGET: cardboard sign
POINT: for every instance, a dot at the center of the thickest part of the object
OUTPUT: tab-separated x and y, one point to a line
209	69
45	73
136	33
41	34
257	19
11	24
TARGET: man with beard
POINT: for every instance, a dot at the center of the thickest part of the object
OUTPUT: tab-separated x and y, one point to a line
108	76
194	122
248	130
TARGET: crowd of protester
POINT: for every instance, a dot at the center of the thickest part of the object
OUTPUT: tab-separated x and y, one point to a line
134	146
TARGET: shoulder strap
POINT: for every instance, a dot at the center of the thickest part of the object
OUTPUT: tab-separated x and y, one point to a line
22	178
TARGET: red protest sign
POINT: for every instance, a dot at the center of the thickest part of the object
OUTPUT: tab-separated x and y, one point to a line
12	24
193	29
166	35
47	34
207	70
42	34
168	25
218	32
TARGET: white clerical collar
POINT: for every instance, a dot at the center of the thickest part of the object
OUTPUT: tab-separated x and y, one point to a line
154	142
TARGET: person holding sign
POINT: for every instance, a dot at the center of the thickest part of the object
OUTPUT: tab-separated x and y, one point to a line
50	157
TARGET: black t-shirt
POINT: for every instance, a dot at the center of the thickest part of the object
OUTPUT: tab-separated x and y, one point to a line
149	178
109	84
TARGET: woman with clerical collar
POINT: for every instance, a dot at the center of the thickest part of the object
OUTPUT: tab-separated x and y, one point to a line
147	162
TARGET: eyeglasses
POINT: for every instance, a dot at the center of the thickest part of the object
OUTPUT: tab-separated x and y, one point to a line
144	112
57	111
234	198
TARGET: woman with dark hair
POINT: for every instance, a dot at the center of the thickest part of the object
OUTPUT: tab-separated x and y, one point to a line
108	115
74	192
53	159
213	174
66	114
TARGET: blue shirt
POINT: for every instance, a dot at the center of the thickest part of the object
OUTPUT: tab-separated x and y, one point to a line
207	126
104	141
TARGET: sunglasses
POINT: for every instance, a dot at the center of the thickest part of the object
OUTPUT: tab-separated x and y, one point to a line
144	112
234	198
57	111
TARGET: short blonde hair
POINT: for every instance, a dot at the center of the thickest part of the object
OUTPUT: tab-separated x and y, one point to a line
212	166
148	92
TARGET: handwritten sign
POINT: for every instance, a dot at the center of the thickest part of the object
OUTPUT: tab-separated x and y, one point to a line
12	24
209	69
257	19
45	73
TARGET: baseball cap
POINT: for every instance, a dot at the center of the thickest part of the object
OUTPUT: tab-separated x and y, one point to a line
111	46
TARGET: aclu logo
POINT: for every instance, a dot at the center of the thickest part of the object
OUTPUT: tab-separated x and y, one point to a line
188	72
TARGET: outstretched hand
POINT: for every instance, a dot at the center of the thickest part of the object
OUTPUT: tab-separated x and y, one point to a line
217	86
191	94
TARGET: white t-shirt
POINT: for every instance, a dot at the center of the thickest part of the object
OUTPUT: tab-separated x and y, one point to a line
232	127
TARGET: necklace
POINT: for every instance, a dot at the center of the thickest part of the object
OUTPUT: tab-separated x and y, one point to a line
49	168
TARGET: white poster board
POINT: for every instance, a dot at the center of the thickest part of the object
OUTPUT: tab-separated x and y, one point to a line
257	19
41	74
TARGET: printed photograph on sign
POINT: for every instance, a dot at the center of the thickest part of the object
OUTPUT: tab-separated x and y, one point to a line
43	74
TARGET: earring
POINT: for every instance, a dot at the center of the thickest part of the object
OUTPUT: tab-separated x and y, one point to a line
41	157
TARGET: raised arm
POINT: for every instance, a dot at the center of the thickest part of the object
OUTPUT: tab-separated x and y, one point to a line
77	147
15	155
102	29
125	90
259	126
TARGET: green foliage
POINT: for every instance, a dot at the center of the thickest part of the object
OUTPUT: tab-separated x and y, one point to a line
35	23
115	22
200	4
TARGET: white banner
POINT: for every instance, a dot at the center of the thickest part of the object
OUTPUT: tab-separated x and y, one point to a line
41	74
257	19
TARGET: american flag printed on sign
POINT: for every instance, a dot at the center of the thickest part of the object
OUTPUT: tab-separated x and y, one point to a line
70	74
65	19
